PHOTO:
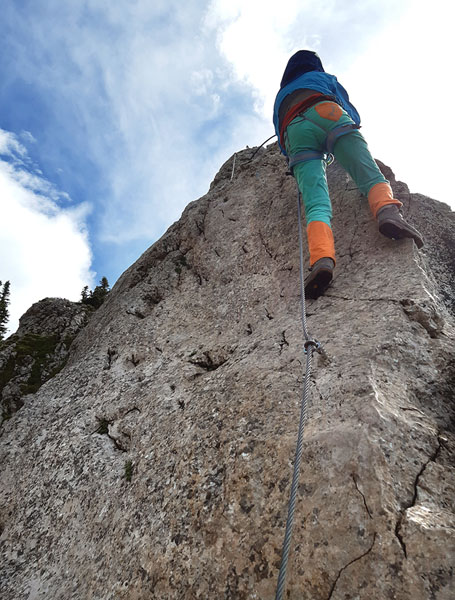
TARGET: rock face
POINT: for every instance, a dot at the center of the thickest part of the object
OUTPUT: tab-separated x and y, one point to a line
157	463
38	350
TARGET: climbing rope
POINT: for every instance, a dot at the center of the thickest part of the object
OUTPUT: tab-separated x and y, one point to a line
252	156
310	345
259	147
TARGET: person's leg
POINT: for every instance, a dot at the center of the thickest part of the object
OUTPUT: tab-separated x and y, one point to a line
312	182
302	135
351	151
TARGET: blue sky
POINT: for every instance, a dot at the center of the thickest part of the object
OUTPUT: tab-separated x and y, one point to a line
115	115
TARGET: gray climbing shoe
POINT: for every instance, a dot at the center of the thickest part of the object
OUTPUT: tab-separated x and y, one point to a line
392	225
320	277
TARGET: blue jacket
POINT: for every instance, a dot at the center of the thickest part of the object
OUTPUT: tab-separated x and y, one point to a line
320	82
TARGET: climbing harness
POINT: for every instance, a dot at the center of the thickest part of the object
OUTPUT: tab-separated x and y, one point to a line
327	154
336	133
295	159
310	345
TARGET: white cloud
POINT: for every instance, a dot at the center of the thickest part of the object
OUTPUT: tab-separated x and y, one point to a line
254	37
155	87
402	86
44	249
201	82
10	145
154	101
259	36
393	58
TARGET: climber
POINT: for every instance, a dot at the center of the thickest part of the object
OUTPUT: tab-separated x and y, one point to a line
313	118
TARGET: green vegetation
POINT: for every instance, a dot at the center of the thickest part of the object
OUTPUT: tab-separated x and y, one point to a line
128	470
96	297
4	301
7	373
41	350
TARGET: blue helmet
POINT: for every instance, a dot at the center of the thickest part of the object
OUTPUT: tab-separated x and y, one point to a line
301	62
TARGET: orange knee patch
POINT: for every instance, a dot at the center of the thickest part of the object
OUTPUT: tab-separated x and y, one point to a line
329	110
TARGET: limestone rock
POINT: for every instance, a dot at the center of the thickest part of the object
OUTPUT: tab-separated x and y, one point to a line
157	463
38	350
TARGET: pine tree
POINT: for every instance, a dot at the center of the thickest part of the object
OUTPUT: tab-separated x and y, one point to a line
4	313
96	297
84	294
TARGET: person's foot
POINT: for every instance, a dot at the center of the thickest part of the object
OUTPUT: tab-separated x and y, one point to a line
320	277
392	225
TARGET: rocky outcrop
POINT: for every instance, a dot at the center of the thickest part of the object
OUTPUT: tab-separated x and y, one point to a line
157	463
38	350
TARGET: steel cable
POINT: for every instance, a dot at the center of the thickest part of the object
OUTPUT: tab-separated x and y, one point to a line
310	346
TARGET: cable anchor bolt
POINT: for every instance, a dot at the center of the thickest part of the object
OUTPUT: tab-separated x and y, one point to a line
311	342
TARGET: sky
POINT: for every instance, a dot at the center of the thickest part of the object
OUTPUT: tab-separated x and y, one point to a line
115	115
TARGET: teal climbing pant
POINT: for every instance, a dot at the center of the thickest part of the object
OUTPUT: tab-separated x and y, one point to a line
309	132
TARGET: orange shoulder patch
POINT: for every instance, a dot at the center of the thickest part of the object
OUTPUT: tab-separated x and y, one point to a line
329	110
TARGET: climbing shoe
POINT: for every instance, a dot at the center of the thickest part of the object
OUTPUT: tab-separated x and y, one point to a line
392	225
320	277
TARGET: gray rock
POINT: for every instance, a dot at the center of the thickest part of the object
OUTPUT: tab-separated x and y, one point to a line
38	350
157	463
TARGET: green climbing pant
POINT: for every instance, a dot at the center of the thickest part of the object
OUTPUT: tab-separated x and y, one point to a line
309	132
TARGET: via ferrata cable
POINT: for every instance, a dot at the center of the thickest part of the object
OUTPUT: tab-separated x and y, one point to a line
310	345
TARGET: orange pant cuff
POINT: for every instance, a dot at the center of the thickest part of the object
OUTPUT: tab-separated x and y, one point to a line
380	195
320	241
